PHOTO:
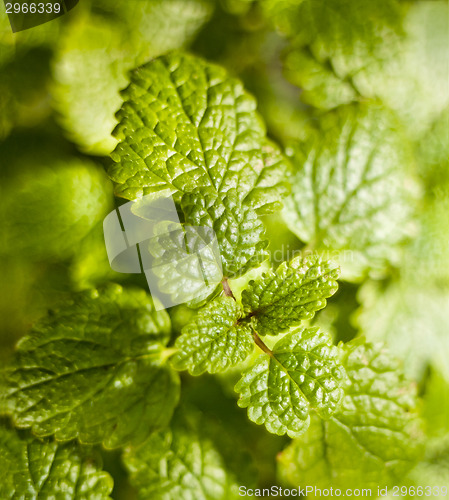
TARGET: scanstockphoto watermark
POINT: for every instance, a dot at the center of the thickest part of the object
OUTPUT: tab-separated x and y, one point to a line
379	491
302	491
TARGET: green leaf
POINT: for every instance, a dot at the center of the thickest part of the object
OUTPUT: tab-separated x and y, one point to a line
97	50
426	260
214	340
49	203
294	292
435	411
188	129
185	263
91	55
413	82
189	460
434	153
186	124
374	439
33	469
350	194
90	266
24	89
433	470
344	51
94	370
411	318
303	372
239	232
333	41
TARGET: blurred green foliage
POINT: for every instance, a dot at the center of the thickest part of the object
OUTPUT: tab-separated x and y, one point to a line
318	69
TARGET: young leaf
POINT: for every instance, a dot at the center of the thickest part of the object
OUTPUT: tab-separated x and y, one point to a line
239	231
93	370
185	263
33	469
188	129
349	188
373	439
187	461
294	292
214	340
303	372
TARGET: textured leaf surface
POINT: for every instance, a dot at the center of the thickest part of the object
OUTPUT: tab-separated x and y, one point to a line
303	373
350	194
188	461
93	370
188	129
239	232
294	292
214	340
185	263
96	51
33	469
192	126
373	439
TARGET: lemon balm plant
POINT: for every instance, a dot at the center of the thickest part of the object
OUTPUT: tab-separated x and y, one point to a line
98	369
260	384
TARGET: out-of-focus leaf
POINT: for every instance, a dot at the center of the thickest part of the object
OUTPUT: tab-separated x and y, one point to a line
411	319
13	44
90	266
434	154
95	53
433	471
350	195
189	460
332	41
414	83
352	50
436	404
49	203
426	261
24	90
